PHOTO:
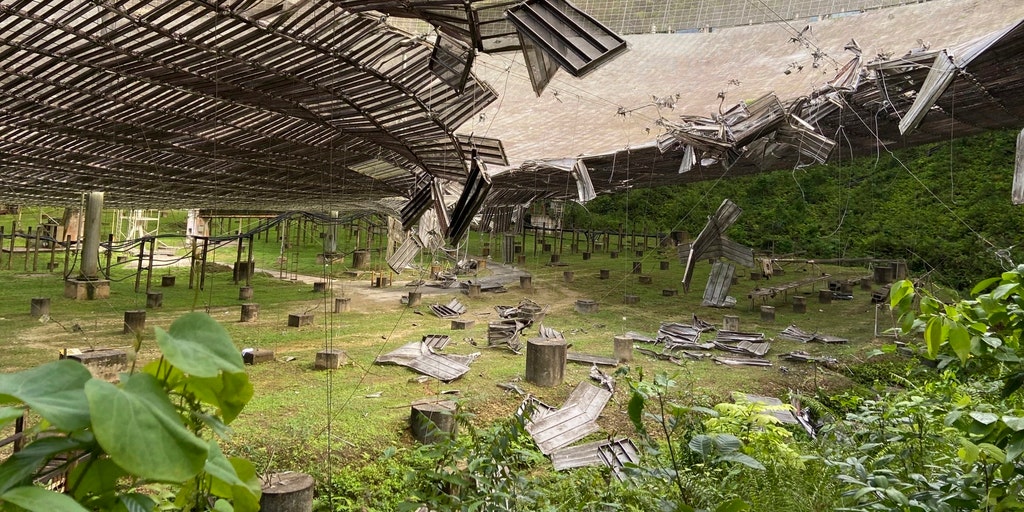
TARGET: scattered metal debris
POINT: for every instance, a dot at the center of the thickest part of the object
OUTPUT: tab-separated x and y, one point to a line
657	355
571	422
549	333
591	359
606	381
512	387
701	325
453	309
794	333
436	341
804	357
677	336
716	294
527	312
420	357
712	242
614	453
741	361
507	333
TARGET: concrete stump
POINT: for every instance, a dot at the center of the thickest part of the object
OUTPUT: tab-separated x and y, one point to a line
485	252
545	361
735	280
631	299
669	292
517	249
623	349
245	293
586	306
605	273
883	275
341	304
243	270
431	421
360	259
824	296
319	287
166	281
330	359
300	319
865	284
638	267
555	258
287	492
459	325
586	256
846	287
481	265
639	253
731	323
767	313
434	271
40	307
154	300
613	254
755	276
250	312
134	321
415	298
526	282
799	304
257	356
899	270
473	291
546	247
520	259
664	265
645	279
568	276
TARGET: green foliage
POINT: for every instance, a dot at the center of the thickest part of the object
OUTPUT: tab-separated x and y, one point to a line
869	207
147	429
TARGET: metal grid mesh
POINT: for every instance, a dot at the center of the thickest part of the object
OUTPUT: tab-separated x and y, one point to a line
643	16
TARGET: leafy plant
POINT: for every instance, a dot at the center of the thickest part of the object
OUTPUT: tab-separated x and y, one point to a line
157	426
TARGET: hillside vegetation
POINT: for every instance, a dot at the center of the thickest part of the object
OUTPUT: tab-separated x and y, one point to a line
945	208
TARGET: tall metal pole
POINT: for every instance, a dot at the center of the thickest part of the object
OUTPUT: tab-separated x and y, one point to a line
90	268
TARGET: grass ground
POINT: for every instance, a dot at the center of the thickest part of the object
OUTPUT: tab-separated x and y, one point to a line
357	411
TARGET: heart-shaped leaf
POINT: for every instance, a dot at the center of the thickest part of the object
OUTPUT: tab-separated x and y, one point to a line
199	346
53	390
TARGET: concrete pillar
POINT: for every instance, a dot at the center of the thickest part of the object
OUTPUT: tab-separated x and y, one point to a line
90	267
331	235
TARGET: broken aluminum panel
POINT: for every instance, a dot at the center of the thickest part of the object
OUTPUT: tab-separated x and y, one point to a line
436	341
420	357
716	294
803	357
573	421
794	333
800	135
506	332
440	210
772	407
676	336
946	66
637	337
453	309
584	187
741	361
575	40
603	379
488	149
701	325
748	348
418	204
451	61
578	357
614	453
540	66
474	192
404	254
534	408
710	238
549	333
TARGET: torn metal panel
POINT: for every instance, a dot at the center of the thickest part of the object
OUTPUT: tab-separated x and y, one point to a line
418	204
606	381
577	41
474	192
453	309
549	333
578	357
539	64
741	361
794	333
800	135
701	325
506	332
404	254
584	187
1017	191
614	453
436	341
573	421
711	238
451	61
488	149
421	358
716	294
803	357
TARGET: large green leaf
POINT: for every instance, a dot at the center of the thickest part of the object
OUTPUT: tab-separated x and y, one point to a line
19	467
933	336
702	445
1014	446
53	390
140	429
635	410
228	392
199	346
9	414
37	499
960	341
96	479
234	479
734	505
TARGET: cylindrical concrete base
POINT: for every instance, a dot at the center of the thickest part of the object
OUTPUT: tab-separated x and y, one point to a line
319	287
631	299
432	421
645	279
545	361
613	254
623	349
134	321
166	281
154	300
250	312
731	323
586	306
605	273
287	492
415	298
568	276
799	304
767	313
586	256
40	307
526	282
245	293
473	291
341	304
825	296
360	259
664	265
638	267
555	258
